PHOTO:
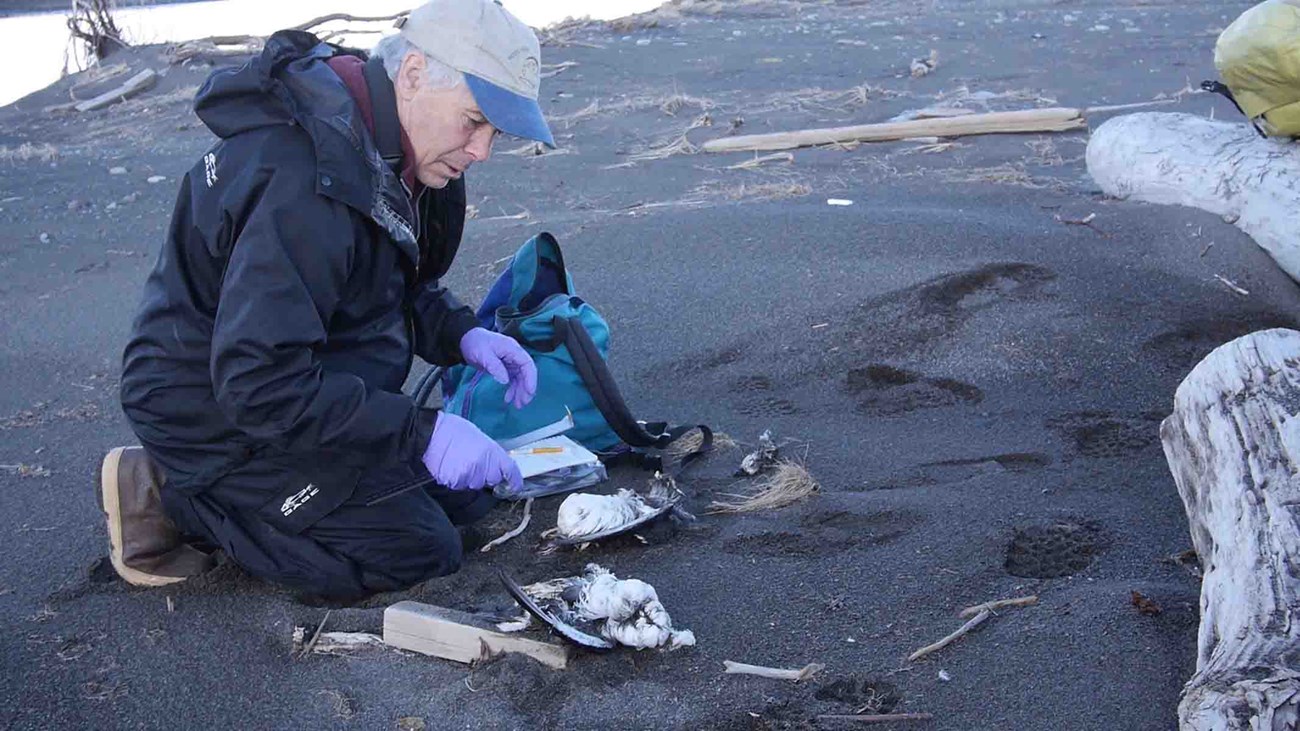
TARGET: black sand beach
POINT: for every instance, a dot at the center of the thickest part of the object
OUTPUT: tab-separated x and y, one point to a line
975	383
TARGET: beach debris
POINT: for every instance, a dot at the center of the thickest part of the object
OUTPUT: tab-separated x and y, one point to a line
1232	285
944	676
800	675
1188	560
786	484
585	517
1086	221
786	157
549	70
118	170
215	47
677	145
1052	119
994	606
878	717
154	179
523	524
931	145
977	615
838	202
971	624
26	470
132	86
932	113
1145	604
345	643
300	650
515	625
44	238
923	66
461	637
759	460
692	441
623	611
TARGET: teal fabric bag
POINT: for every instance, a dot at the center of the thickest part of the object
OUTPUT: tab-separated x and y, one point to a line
534	301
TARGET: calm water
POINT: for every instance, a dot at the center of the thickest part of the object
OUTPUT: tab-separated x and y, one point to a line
33	47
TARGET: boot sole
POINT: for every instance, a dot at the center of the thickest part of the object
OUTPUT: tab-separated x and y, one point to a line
111	502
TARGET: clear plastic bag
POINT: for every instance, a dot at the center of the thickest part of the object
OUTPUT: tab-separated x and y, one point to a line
555	482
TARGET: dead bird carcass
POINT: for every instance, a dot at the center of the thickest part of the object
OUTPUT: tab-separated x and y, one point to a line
598	609
585	517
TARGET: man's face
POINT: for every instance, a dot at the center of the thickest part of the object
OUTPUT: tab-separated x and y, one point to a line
447	130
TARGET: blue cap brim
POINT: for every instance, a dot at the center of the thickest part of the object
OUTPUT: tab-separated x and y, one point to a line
509	112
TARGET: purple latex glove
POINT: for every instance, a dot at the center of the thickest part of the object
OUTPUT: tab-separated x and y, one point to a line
503	359
461	457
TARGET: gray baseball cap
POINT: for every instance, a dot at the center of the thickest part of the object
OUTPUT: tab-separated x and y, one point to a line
496	52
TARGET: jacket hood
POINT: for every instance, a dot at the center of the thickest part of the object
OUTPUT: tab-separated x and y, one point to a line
291	83
267	90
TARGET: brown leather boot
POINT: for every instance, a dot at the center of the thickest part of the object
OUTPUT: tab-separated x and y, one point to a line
145	547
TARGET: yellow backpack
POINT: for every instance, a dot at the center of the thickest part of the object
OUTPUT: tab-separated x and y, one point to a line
1258	58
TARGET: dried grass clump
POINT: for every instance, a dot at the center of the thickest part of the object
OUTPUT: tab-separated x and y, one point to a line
757	162
766	191
587	112
1004	174
787	483
817	99
678	145
27	151
671	105
536	149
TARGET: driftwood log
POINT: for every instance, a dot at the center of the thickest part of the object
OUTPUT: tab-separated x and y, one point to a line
1220	167
1233	445
1057	119
132	86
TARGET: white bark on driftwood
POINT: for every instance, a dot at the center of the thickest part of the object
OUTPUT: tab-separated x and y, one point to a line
1220	167
1233	445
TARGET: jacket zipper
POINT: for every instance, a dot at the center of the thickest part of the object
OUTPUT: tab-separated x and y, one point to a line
419	258
468	403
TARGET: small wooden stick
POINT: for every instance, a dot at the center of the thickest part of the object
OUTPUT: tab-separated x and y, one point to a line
970	625
1232	285
804	673
528	506
879	717
1023	601
312	644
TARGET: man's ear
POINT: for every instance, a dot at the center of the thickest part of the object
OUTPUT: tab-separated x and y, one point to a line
410	76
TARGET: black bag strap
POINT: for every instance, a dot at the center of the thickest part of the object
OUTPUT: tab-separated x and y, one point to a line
605	394
424	387
600	384
1217	87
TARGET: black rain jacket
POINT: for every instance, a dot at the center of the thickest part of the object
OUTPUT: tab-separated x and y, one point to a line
296	284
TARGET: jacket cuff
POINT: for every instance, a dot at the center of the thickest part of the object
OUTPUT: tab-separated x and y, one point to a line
459	322
425	421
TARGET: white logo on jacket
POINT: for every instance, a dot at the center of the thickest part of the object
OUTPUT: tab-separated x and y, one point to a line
298	499
210	168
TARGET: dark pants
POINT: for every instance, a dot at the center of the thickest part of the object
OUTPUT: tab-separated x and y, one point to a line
324	534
